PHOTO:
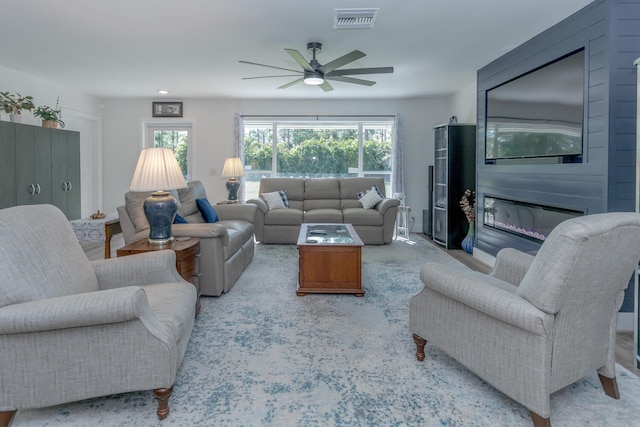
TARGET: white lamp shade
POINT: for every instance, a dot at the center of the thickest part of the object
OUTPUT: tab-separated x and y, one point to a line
233	167
157	169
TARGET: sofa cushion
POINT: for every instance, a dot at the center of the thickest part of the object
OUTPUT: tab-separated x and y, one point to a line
370	198
321	189
187	202
350	187
276	199
321	204
323	215
206	210
284	217
361	216
179	219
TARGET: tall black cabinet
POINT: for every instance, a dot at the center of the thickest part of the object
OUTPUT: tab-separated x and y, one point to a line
40	165
454	172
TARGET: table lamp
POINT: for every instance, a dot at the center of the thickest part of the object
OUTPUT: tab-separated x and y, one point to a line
158	170
233	168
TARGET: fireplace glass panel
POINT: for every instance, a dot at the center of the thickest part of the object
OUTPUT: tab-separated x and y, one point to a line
524	219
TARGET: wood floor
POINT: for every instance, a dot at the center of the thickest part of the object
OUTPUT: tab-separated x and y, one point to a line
625	354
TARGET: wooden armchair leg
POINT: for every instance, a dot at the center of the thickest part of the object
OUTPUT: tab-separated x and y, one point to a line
163	394
5	417
610	386
538	421
420	342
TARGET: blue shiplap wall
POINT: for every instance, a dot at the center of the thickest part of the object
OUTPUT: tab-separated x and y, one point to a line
609	32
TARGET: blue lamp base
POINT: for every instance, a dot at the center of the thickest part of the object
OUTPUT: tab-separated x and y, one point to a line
160	209
232	187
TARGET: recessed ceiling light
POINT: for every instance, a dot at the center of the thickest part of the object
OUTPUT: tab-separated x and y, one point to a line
163	92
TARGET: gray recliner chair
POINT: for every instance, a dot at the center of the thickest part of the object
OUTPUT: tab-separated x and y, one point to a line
59	313
535	324
227	247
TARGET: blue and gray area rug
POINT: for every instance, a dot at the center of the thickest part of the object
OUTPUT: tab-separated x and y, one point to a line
261	356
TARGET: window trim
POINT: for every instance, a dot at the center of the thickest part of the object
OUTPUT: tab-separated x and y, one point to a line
146	126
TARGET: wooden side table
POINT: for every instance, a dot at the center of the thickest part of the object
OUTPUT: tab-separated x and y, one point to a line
187	258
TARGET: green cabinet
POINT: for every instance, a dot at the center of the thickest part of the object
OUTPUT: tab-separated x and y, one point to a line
7	165
40	165
65	172
33	165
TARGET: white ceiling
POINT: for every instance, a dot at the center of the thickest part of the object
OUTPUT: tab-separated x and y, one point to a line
132	48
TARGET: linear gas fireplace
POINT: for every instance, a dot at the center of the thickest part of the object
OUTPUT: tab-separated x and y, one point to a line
527	220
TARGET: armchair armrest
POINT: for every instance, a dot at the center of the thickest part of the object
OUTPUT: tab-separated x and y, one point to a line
386	204
243	212
486	295
511	265
261	205
71	311
137	270
203	230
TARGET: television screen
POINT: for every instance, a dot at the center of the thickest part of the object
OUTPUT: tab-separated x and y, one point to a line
539	114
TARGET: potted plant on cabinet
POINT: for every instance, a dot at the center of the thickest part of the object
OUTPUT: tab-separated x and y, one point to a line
13	104
51	117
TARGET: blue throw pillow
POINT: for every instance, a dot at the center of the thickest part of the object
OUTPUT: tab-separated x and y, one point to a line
180	220
206	210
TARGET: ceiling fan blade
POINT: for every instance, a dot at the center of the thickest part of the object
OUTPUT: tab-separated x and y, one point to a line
326	86
377	70
296	81
343	60
269	77
299	59
270	66
351	80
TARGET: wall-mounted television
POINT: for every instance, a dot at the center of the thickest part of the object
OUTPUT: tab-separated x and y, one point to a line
538	114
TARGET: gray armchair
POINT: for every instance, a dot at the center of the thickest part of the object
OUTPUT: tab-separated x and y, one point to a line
71	329
535	324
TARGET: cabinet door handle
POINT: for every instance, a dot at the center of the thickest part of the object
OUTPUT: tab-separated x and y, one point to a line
69	186
64	186
32	189
37	188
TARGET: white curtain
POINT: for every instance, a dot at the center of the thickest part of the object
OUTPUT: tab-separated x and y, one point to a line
239	137
398	158
238	147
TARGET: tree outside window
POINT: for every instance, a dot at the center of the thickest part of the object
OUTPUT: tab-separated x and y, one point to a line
316	150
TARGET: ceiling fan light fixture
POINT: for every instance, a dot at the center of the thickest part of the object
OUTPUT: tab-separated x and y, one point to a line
313	78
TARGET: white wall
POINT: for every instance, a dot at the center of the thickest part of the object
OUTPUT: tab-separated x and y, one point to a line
80	112
214	129
464	103
111	133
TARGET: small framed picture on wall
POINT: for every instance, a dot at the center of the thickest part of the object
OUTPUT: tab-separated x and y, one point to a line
167	109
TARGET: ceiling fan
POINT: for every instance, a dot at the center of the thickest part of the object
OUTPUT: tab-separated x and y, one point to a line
315	74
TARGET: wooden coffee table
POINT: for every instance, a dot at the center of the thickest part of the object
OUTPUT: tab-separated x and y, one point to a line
330	260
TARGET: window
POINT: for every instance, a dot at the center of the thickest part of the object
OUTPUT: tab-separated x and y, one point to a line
175	137
318	149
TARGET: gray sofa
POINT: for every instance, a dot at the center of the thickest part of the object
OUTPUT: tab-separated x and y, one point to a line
227	246
323	200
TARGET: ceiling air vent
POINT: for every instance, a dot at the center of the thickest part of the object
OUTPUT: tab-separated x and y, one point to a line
353	19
